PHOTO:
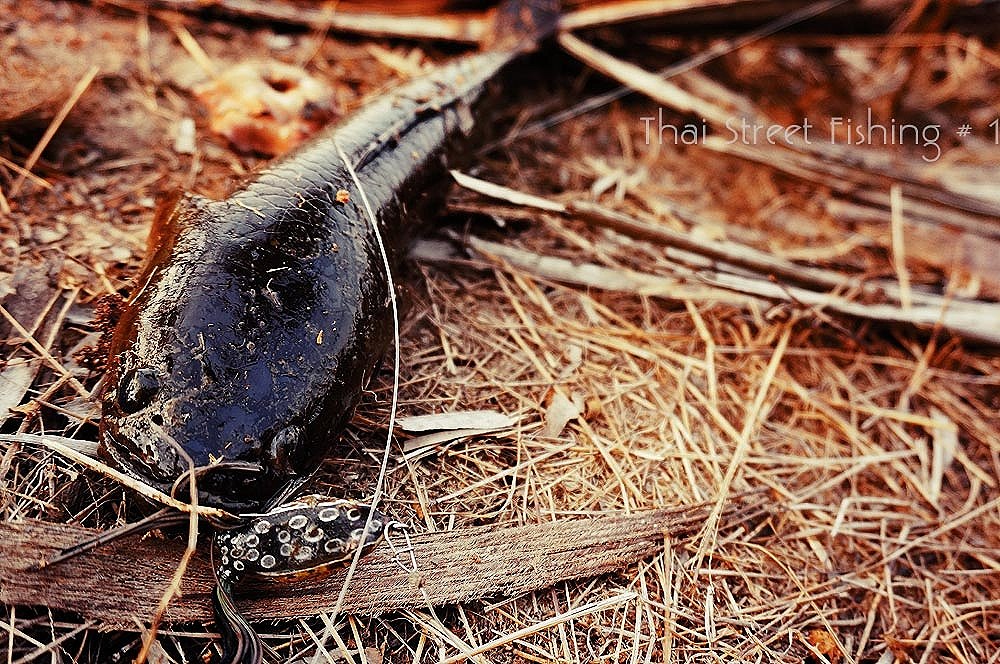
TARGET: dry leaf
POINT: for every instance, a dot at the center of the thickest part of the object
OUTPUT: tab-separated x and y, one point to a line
560	411
827	646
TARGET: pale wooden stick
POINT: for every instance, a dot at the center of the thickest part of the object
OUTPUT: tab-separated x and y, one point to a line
591	275
979	321
899	246
761	262
643	81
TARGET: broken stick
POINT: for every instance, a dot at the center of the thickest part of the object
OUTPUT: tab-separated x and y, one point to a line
123	581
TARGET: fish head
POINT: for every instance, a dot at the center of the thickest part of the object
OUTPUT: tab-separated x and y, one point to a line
159	425
183	386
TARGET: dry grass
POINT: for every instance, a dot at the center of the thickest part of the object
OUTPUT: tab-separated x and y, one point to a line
878	441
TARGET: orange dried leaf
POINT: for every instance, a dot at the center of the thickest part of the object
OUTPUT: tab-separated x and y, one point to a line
266	107
823	641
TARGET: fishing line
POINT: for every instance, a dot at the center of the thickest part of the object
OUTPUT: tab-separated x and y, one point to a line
395	378
174	588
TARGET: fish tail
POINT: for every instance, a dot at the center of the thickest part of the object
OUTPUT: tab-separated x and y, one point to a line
519	25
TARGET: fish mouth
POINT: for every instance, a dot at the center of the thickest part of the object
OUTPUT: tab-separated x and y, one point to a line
224	485
126	458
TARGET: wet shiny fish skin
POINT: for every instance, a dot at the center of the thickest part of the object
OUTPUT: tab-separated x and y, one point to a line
259	319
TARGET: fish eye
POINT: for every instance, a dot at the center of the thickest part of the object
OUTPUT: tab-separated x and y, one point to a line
137	389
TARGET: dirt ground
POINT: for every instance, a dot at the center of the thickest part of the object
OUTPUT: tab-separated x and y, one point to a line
640	373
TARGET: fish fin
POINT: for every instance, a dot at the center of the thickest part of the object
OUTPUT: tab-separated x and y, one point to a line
518	25
174	212
163	220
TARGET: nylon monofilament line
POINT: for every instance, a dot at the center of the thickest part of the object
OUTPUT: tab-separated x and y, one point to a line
395	376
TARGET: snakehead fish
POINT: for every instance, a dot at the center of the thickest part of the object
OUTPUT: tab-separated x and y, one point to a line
259	319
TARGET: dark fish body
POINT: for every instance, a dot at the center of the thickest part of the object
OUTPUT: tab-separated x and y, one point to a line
259	319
